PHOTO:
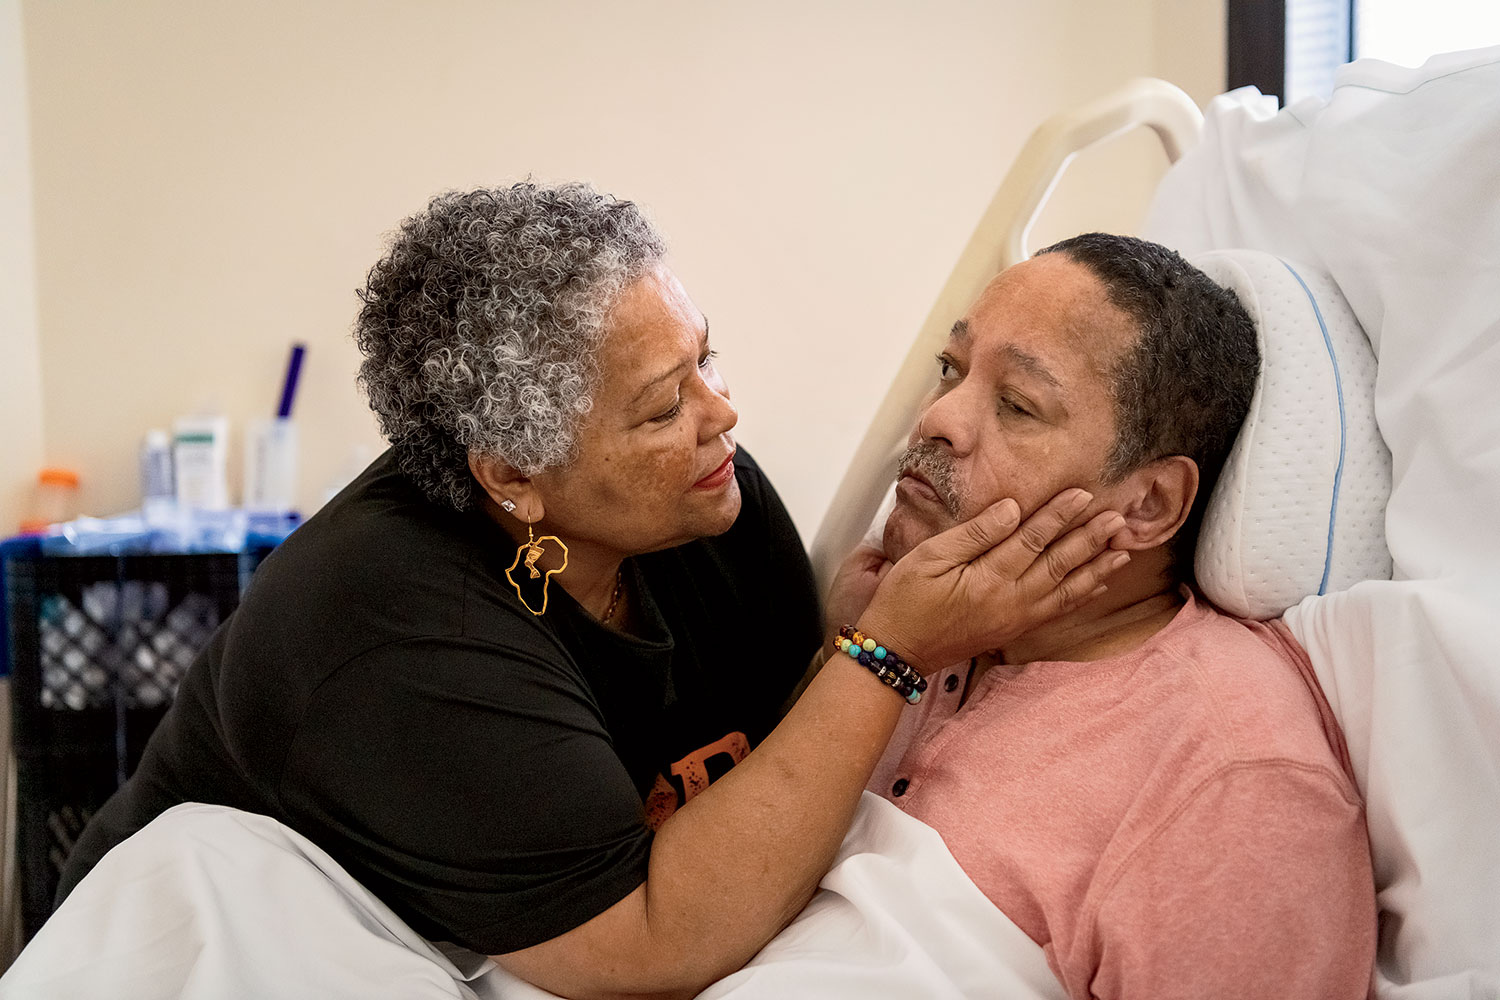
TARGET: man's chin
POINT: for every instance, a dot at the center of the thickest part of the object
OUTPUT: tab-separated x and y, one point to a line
905	529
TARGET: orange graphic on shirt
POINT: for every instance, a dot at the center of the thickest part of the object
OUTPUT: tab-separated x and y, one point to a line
693	772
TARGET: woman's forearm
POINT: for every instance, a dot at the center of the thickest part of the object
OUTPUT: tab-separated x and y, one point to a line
733	866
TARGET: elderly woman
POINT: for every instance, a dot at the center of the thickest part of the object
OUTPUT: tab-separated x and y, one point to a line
521	677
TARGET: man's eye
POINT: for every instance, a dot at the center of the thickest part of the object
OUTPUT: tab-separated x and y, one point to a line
1010	406
946	368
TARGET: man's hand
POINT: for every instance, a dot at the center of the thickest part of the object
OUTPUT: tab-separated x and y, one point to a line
853	586
979	585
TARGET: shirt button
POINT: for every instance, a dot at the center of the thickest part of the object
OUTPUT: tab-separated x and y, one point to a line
951	684
899	788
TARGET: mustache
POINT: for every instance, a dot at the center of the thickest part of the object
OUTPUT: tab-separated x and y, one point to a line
935	465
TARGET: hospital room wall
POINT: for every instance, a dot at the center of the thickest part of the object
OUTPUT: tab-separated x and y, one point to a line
213	179
20	351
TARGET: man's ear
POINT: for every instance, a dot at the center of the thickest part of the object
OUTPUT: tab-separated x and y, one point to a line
503	482
1157	499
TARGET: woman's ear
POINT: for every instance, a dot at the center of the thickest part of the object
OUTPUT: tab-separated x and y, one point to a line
1157	500
504	484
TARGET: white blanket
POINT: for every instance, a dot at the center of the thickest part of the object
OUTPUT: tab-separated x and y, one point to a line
1392	187
208	902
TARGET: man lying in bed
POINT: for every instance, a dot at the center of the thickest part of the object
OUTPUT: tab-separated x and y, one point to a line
1156	793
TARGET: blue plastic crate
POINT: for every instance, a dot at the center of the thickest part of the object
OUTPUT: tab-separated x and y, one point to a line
96	646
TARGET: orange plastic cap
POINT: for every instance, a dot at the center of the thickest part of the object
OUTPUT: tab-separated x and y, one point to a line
57	476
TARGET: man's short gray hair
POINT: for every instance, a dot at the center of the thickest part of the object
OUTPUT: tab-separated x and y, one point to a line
481	326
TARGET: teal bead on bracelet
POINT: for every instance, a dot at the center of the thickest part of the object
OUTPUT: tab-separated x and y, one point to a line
889	668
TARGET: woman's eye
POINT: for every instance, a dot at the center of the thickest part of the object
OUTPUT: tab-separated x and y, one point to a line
670	415
707	358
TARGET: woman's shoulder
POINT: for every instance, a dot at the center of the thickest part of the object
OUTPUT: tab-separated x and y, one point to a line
381	564
762	512
752	478
759	565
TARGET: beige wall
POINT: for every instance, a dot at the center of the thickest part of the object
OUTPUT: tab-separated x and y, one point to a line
1189	46
20	360
212	180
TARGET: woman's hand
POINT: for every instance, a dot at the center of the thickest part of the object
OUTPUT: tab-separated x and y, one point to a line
979	585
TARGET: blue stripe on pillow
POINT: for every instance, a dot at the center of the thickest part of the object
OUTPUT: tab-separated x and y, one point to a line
1338	385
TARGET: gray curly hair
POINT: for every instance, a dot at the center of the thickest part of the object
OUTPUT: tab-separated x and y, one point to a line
482	324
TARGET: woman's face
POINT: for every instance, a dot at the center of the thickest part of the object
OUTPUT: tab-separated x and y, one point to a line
653	467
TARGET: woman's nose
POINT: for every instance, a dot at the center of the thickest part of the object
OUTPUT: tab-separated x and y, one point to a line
721	415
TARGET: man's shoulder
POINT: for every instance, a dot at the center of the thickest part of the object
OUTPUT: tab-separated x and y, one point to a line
1253	690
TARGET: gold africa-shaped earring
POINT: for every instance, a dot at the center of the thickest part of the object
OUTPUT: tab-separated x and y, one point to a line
530	551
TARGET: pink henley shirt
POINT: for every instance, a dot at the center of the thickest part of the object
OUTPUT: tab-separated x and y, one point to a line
1178	821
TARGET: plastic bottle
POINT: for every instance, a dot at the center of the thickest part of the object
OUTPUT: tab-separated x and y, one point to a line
55	500
271	466
200	461
157	482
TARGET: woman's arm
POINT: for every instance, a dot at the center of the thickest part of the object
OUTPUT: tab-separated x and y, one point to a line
733	866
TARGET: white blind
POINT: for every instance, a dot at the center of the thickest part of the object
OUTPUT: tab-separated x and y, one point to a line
1317	43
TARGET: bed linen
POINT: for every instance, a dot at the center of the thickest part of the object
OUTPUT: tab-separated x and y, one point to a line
1392	187
208	902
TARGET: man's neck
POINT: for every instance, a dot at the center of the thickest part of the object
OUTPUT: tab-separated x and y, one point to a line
1141	599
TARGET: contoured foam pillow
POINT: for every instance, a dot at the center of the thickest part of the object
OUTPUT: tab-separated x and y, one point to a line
1300	506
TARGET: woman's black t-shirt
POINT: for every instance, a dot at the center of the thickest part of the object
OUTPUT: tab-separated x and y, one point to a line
492	776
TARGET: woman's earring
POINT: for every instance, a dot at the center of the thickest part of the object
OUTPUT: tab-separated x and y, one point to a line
509	506
533	552
530	551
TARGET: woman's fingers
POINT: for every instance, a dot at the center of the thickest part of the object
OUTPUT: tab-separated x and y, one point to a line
980	584
1087	581
1018	553
1071	551
968	541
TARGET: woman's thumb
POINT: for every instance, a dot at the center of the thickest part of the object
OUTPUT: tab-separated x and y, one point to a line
968	541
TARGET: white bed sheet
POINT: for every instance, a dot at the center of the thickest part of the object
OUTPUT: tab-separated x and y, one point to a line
208	902
1392	187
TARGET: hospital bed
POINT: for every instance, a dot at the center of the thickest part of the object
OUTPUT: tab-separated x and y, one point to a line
1359	502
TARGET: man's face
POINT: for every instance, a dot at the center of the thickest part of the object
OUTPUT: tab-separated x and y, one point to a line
1024	406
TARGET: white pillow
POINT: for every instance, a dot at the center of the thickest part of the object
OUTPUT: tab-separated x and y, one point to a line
1299	508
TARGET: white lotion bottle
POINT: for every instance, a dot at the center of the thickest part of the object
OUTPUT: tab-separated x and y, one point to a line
200	459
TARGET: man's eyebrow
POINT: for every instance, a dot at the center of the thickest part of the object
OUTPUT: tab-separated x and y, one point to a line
658	379
1031	365
960	331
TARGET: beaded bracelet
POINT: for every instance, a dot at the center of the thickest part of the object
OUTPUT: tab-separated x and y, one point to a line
889	668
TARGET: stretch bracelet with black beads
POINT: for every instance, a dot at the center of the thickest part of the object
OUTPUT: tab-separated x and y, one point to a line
884	664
